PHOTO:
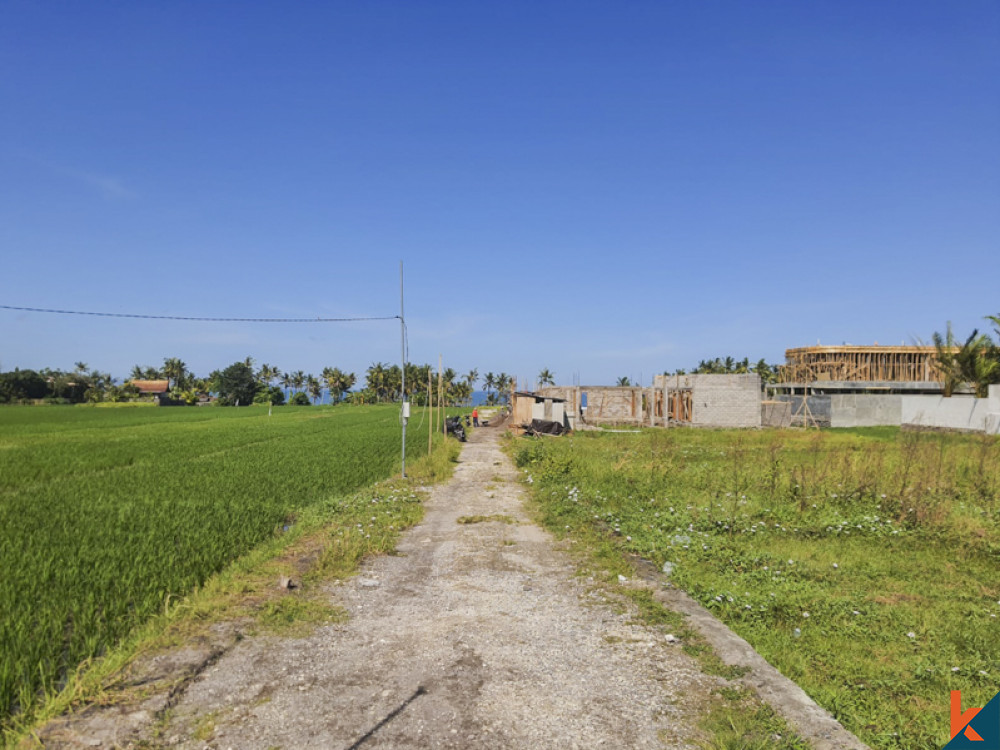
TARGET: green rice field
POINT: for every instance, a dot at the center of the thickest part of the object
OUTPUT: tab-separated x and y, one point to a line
106	514
864	564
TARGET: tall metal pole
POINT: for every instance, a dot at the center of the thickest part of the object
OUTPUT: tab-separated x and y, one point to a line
402	350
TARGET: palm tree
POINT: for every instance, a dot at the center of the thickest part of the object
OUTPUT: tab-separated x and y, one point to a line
503	382
136	373
348	380
947	364
623	381
393	383
298	380
175	370
267	373
313	387
286	381
375	379
471	377
545	377
489	383
447	382
995	319
334	382
985	369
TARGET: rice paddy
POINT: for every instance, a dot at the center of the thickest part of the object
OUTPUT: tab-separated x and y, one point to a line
107	515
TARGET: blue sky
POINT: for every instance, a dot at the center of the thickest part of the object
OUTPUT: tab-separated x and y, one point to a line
601	189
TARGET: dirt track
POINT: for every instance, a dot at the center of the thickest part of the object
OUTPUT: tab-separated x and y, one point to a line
476	636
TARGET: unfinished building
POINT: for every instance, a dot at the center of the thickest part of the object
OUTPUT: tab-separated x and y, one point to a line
696	400
896	369
854	386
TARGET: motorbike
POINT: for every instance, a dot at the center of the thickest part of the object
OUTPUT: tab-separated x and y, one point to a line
454	427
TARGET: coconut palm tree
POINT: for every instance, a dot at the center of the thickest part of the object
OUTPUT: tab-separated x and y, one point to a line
267	373
313	387
947	363
375	378
623	381
347	381
298	380
503	383
337	381
489	383
176	371
471	377
545	377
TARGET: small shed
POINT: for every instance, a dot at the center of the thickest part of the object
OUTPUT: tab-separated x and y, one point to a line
528	406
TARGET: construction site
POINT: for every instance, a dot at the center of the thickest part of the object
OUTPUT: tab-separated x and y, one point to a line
818	386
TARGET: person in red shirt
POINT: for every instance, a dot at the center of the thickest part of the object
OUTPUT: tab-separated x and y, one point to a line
475	417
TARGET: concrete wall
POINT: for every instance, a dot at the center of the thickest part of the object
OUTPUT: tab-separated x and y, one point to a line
606	404
955	413
724	400
993	415
550	411
614	405
775	414
819	409
866	410
717	401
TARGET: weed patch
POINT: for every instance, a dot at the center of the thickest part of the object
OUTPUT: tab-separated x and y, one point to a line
863	563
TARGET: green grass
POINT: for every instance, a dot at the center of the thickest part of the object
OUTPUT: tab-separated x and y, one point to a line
825	550
740	721
108	517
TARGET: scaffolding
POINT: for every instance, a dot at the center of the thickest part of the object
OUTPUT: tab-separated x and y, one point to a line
879	364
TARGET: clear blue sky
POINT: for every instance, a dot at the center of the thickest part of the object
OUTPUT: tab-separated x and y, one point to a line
601	189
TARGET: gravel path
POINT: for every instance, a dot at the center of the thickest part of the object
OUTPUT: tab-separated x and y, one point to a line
476	635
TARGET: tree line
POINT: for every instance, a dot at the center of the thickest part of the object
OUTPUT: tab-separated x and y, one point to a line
718	366
244	382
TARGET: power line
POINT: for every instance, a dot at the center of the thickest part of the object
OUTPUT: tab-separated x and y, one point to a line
201	319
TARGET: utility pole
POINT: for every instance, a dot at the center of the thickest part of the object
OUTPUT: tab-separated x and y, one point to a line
402	349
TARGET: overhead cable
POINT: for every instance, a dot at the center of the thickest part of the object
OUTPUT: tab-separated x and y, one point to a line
203	319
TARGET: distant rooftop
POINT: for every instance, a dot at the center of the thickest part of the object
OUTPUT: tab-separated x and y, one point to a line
151	386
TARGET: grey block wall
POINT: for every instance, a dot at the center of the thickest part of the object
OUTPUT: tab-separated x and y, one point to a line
865	409
819	410
725	400
775	414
